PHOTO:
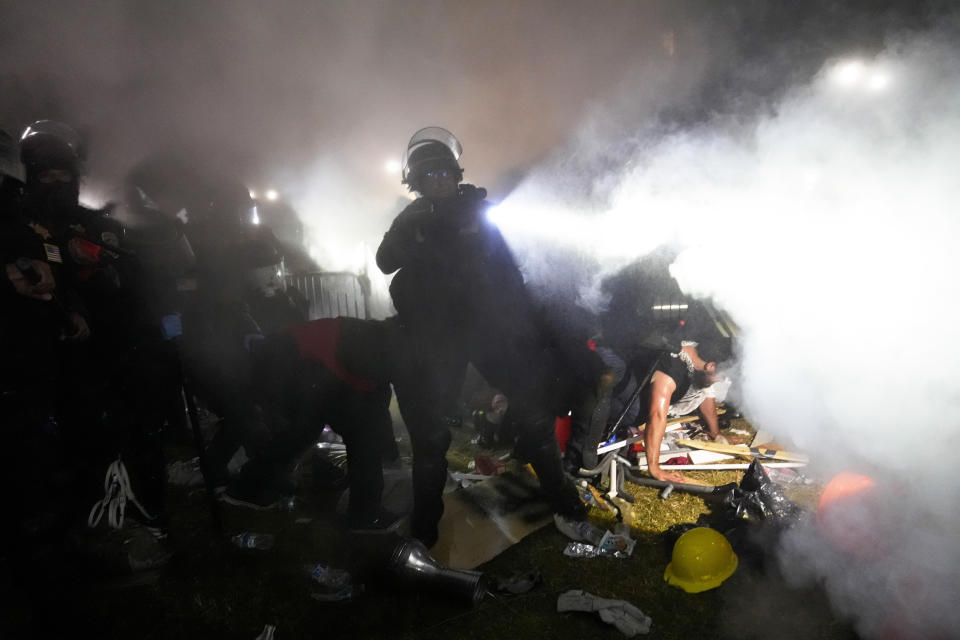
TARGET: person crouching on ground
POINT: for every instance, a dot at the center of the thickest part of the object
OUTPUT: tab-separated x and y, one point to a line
335	372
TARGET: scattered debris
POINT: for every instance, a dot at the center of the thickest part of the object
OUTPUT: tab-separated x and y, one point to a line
591	541
249	540
267	633
185	473
520	582
581	550
617	545
467	479
337	584
489	466
329	577
757	497
628	619
742	450
347	593
413	565
578	531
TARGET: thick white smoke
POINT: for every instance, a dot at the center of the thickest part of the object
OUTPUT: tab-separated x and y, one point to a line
829	231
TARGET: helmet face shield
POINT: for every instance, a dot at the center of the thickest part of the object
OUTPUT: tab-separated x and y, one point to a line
430	146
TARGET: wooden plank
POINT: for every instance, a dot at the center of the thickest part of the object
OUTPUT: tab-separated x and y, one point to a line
742	450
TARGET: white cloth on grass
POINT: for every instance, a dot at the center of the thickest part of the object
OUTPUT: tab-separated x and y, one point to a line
628	619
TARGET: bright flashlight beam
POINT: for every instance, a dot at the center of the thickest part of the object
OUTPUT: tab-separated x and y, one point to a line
392	166
878	81
272	194
848	73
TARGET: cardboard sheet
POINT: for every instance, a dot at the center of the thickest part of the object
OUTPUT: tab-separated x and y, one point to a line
481	521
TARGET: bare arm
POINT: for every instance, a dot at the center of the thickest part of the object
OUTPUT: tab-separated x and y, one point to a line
662	387
708	411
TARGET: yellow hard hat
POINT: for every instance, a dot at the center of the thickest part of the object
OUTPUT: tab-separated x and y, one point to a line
702	559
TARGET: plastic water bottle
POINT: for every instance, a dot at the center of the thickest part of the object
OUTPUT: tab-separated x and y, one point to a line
586	495
579	531
248	540
590	533
328	576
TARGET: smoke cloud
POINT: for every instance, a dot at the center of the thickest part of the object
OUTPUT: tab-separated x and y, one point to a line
813	197
827	228
314	99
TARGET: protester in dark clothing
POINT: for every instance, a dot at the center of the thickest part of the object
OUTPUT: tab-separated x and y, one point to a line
334	372
666	375
455	277
218	320
673	373
218	276
589	419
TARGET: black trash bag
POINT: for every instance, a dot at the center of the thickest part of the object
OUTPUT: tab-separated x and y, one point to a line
751	516
758	498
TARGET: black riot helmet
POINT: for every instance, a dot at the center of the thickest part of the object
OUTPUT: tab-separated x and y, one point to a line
430	148
52	156
48	144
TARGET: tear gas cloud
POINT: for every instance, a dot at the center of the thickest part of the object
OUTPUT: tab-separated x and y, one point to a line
312	99
828	230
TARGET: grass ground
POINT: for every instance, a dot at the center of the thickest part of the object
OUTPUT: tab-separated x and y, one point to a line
212	590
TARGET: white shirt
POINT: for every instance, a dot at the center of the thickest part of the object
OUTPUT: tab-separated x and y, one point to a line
695	396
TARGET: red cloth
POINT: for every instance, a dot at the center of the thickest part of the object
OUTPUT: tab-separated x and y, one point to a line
562	430
318	340
487	466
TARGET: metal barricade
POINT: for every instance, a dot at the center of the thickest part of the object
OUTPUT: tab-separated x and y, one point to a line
333	293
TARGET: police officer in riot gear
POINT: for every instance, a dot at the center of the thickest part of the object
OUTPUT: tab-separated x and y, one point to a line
103	379
53	158
455	275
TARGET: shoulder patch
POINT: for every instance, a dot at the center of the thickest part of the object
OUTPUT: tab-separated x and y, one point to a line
53	252
40	230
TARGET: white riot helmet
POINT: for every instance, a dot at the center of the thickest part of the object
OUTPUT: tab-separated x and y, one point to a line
429	148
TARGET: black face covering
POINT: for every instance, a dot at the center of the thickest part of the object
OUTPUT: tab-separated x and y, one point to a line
53	202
